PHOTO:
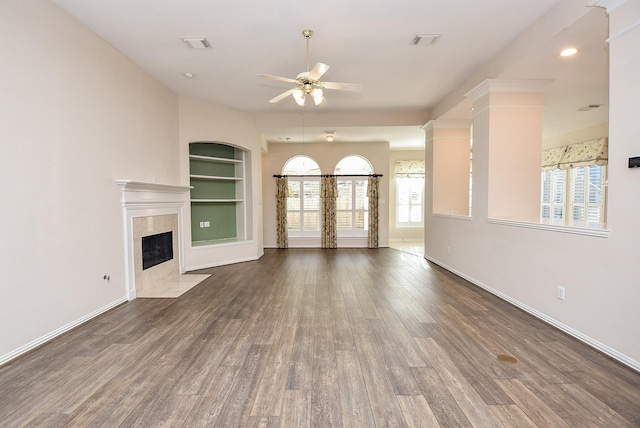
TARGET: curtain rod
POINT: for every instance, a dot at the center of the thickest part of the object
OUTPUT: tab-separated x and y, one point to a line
327	175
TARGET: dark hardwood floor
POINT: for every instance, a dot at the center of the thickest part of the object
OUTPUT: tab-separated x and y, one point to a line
347	337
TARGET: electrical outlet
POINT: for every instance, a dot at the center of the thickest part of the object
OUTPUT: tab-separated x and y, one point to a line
207	224
560	293
202	224
448	250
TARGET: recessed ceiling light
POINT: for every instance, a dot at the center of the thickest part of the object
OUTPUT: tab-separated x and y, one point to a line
189	75
569	52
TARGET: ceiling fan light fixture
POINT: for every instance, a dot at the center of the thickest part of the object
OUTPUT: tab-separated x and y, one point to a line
317	96
308	82
298	96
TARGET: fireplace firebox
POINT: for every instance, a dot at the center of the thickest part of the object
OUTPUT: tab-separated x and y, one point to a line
157	249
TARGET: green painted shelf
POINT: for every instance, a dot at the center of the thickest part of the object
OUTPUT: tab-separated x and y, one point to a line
217	205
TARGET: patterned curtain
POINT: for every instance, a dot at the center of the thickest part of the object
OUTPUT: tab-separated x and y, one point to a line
329	195
282	192
372	193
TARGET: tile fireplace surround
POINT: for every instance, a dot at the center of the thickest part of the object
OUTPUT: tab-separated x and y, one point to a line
148	209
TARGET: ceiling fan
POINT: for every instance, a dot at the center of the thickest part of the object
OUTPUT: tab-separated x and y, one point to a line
308	82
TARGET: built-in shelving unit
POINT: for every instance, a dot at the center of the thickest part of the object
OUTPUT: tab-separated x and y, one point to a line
217	195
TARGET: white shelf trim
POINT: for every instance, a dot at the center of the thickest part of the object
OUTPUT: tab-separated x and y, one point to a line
217	200
215	177
214	159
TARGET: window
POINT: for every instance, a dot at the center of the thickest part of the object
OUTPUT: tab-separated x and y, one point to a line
574	181
410	194
409	177
586	194
303	203
353	203
553	191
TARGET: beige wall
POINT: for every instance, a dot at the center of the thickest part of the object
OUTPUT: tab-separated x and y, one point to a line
327	155
401	233
76	116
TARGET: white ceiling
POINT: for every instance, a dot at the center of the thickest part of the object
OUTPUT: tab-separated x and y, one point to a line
363	41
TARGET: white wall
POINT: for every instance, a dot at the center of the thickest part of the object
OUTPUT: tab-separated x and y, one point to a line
327	155
75	116
526	265
201	121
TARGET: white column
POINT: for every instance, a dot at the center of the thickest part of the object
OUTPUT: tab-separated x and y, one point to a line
507	148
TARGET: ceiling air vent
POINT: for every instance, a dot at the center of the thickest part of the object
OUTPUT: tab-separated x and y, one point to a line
590	107
196	42
425	39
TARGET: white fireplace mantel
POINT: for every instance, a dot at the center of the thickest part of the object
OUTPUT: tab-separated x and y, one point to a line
144	192
147	199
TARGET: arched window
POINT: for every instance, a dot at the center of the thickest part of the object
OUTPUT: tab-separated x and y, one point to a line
301	165
303	203
352	204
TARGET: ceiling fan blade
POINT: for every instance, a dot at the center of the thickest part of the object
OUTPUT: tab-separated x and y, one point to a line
281	96
318	70
281	79
356	87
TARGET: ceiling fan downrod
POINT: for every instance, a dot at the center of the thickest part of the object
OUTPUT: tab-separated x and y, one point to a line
307	33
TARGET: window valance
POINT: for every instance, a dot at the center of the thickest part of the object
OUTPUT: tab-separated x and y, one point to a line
409	168
594	152
587	153
551	158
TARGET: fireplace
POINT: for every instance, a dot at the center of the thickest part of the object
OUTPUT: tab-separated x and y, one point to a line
151	209
157	249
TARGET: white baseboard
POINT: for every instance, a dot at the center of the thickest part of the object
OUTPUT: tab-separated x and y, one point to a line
47	337
224	262
319	246
629	362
